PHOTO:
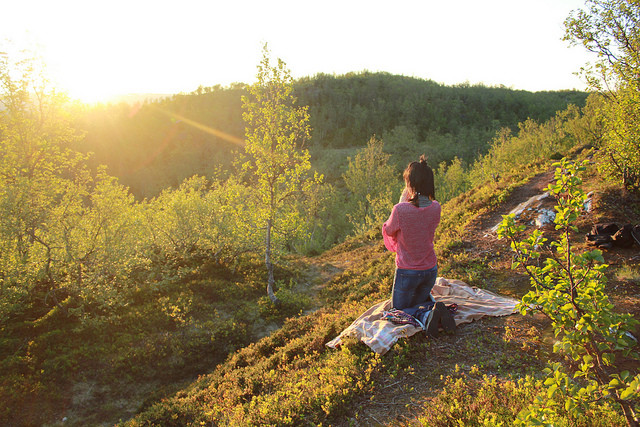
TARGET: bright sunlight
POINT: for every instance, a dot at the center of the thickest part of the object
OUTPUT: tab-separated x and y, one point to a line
88	92
96	51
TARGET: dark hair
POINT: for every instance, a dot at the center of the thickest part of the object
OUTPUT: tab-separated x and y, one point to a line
419	178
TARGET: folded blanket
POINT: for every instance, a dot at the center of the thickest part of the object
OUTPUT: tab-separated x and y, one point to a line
473	303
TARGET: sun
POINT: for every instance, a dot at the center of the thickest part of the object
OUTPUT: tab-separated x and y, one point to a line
89	81
90	91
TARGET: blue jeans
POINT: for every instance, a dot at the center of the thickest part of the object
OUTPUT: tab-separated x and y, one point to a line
412	290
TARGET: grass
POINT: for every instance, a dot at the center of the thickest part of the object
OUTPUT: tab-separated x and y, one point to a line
628	273
107	368
188	353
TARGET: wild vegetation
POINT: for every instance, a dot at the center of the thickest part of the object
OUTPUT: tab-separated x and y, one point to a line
569	290
135	293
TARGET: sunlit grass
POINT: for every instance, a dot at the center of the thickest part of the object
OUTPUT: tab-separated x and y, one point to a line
628	273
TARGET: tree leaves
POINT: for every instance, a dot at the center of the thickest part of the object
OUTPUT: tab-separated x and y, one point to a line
611	29
276	132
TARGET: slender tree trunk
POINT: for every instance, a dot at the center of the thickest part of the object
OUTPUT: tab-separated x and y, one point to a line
629	414
269	264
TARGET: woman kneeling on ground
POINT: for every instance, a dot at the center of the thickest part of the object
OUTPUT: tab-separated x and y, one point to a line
409	232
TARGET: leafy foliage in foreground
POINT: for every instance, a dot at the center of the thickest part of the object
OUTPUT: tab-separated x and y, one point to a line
569	289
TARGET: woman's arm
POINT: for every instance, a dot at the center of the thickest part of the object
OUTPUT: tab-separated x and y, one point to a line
389	231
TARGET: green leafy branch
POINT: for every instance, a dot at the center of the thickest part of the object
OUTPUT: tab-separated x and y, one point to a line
569	288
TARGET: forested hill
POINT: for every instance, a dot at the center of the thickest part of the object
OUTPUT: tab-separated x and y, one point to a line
347	110
158	144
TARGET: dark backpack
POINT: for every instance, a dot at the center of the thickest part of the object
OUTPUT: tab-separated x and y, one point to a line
623	237
608	235
601	235
607	228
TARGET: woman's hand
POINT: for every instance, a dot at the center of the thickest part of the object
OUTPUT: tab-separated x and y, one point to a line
405	195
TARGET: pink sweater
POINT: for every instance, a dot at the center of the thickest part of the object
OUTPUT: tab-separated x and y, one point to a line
409	233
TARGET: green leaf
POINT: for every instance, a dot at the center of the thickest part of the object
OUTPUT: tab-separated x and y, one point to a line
569	405
627	393
551	390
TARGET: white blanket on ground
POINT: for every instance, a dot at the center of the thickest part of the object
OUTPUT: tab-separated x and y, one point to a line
473	303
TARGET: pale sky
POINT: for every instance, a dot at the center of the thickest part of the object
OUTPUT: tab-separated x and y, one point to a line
95	49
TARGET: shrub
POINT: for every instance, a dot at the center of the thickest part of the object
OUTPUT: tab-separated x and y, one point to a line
568	287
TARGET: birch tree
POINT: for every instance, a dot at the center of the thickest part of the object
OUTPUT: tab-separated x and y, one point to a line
276	131
611	30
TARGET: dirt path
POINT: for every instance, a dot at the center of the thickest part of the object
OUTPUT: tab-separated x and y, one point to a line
321	269
534	187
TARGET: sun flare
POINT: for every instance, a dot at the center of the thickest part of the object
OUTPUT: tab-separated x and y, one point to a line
91	94
89	89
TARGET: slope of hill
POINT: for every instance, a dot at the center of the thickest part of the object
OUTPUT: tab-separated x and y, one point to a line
291	378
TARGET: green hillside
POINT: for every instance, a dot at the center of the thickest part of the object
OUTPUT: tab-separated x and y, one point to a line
179	347
291	378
